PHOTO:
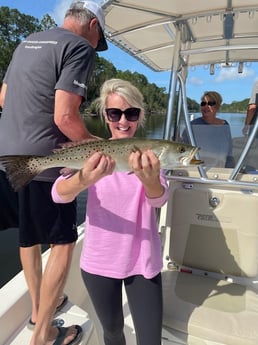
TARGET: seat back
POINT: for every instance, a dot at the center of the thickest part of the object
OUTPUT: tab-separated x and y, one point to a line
214	228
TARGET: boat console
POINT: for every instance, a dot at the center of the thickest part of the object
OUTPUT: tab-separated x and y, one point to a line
210	277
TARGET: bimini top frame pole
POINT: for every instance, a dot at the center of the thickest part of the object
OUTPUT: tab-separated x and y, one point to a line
176	77
188	123
172	87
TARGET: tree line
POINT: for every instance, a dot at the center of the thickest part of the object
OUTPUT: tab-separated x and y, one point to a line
16	26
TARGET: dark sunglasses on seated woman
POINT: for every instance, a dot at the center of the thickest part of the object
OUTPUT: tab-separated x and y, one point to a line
131	114
210	103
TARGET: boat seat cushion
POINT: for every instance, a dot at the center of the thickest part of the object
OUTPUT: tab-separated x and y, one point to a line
211	309
214	238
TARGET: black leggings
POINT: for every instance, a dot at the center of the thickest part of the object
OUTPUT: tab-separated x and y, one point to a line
145	302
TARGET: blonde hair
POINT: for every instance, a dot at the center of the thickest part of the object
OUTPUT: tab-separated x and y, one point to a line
125	89
213	96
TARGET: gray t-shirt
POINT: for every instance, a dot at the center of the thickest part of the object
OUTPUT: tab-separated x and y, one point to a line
254	93
43	63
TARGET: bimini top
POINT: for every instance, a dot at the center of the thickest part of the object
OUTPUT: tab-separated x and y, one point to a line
196	32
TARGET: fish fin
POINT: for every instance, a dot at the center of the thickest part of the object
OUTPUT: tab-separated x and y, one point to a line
136	149
18	171
68	172
69	144
65	146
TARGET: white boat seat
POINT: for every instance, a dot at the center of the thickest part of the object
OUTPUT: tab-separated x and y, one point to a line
210	293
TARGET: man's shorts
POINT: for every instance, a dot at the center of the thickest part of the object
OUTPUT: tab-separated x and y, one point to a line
41	221
8	204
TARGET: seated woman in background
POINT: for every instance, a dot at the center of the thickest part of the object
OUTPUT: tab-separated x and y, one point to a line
215	141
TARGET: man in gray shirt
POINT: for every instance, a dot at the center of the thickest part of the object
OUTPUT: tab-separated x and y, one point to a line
251	113
44	86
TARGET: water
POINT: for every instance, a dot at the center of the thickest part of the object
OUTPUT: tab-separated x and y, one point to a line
154	128
236	121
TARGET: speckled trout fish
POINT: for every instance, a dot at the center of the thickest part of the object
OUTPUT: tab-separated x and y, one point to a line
21	169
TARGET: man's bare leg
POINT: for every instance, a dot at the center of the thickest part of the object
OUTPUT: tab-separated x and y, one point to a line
53	281
32	266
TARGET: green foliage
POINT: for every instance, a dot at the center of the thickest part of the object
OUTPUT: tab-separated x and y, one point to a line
235	107
47	22
103	70
14	27
193	106
155	98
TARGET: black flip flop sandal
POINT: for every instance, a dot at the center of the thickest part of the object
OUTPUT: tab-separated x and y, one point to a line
63	332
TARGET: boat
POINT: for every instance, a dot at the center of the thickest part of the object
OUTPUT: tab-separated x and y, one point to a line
209	227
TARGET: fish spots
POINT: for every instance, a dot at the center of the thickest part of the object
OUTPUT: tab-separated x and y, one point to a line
21	169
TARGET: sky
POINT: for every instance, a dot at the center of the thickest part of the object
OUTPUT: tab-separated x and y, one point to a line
230	84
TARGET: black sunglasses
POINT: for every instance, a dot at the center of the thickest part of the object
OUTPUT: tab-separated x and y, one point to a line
203	103
131	114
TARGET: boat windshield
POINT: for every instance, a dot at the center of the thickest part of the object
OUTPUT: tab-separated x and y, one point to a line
221	145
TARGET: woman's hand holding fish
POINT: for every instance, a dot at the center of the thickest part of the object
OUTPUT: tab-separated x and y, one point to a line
146	166
94	168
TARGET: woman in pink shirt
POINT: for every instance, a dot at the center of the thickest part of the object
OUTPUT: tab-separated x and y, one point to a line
121	243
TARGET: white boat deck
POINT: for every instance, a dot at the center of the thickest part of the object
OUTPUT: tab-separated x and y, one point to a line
71	315
15	302
15	307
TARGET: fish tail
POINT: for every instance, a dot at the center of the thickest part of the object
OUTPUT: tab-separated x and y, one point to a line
18	170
